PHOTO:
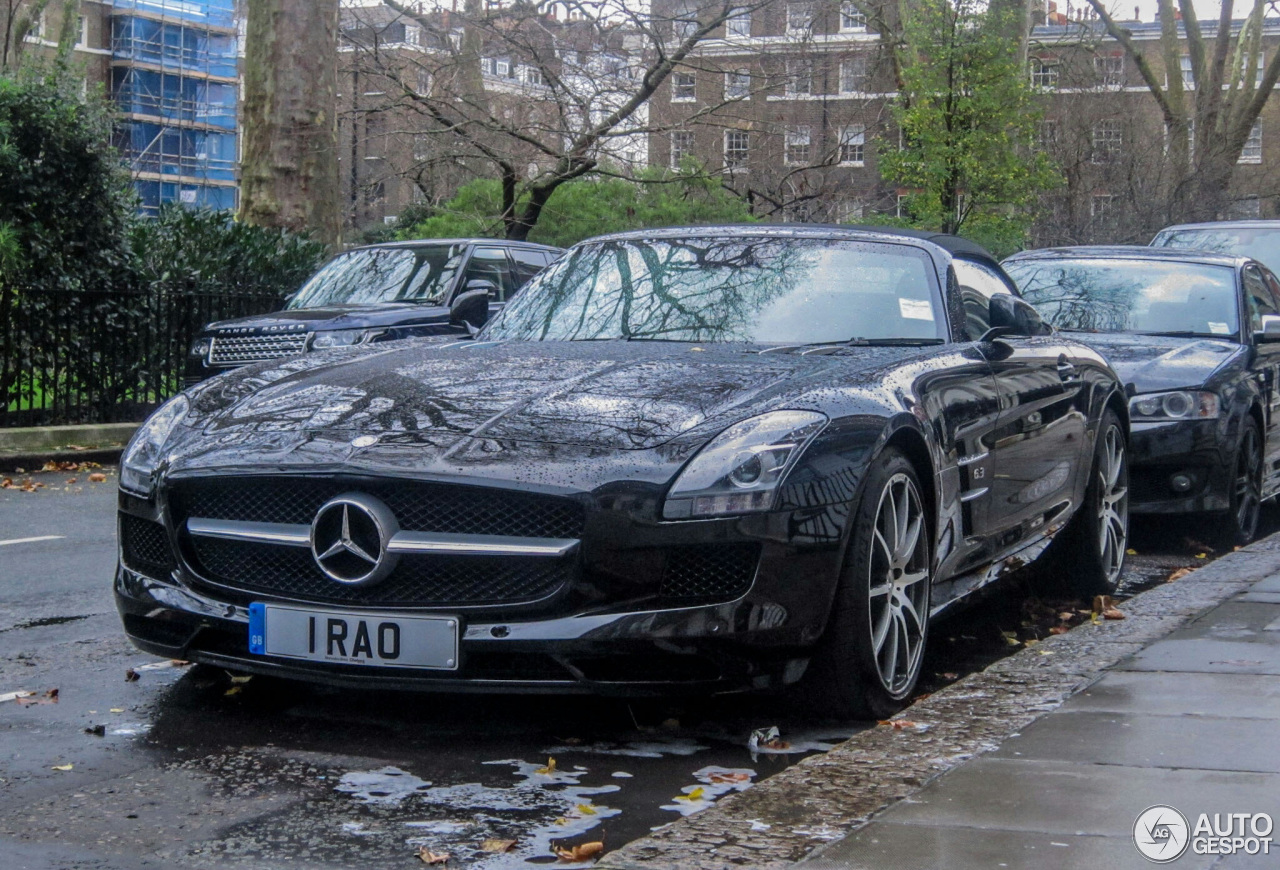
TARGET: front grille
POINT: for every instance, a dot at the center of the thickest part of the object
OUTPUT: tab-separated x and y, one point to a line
145	546
717	571
419	506
257	569
418	581
240	350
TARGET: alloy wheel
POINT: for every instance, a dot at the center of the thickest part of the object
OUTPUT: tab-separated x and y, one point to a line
1113	503
1248	484
898	587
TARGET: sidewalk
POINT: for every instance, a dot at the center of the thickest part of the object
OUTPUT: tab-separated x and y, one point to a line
1191	721
1043	760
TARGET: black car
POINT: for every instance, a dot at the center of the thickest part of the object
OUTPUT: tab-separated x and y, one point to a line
1259	239
1196	338
698	459
377	293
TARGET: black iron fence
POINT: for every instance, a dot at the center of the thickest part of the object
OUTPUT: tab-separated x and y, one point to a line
102	357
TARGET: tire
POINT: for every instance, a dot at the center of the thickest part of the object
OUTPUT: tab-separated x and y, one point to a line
868	660
1239	523
1086	557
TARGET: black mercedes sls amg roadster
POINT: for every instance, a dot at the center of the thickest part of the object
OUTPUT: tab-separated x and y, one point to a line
694	459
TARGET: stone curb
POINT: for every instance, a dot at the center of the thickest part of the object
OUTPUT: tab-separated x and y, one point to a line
827	797
29	448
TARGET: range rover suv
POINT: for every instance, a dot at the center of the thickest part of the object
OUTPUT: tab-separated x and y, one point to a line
377	293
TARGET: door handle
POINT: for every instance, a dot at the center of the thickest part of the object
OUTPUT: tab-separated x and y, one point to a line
1067	371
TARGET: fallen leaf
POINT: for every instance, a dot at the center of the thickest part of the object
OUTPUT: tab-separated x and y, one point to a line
1059	629
97	477
71	480
62	767
729	777
671	724
580	852
426	856
234	690
1179	574
236	679
586	809
950	675
116	710
1202	555
1113	613
767	738
696	795
549	769
131	676
493	844
900	724
1101	603
1131	552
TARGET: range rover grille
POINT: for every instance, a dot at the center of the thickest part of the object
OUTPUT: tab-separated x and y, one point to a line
241	350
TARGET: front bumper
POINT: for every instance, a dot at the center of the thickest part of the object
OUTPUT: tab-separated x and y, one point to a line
629	644
1181	467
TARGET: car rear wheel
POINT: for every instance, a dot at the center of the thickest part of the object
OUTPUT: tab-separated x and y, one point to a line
1240	522
868	661
1088	555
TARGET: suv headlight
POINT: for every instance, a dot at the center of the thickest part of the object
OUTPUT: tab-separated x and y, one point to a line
1176	405
142	455
740	470
201	347
343	338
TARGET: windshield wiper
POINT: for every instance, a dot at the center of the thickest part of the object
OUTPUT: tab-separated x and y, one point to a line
1189	333
890	342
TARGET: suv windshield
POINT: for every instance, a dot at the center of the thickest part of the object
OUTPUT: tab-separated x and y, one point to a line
1259	243
372	276
763	289
1100	295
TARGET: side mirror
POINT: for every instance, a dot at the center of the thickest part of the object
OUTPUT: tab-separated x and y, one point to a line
1011	315
471	308
1270	329
476	285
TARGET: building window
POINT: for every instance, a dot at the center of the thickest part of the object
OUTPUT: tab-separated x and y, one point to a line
531	75
1249	208
421	146
798	145
375	137
737	145
685	24
853	143
799	18
424	82
82	32
738	26
681	147
849	210
683	87
799	78
1191	139
1108	141
1252	151
1046	135
1101	207
901	207
1109	69
852	19
737	84
1044	74
853	75
1188	74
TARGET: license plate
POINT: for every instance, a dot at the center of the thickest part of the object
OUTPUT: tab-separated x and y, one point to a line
384	640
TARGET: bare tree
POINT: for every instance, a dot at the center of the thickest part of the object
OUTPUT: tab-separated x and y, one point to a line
23	22
289	171
1208	108
536	94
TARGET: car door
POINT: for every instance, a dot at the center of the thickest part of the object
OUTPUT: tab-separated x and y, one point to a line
1037	447
490	263
1261	291
526	263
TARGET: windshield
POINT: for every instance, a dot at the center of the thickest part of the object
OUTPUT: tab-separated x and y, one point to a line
1261	243
372	276
762	290
1099	295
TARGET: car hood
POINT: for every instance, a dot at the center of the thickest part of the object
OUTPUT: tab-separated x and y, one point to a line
604	395
333	317
1150	363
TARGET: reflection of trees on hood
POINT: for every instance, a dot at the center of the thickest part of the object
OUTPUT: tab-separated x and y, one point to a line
1083	298
678	290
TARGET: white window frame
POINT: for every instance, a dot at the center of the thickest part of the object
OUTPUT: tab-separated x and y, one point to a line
797	147
678	154
797	71
737	84
846	74
1102	206
799	17
1044	73
852	18
1046	133
1108	141
1252	150
678	84
739	163
853	136
738	26
421	146
1110	69
1188	74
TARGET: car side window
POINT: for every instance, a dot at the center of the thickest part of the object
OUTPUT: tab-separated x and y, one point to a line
492	265
526	264
1257	297
978	283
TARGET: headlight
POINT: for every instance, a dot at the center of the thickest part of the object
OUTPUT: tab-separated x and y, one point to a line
342	338
142	456
740	470
201	346
1179	405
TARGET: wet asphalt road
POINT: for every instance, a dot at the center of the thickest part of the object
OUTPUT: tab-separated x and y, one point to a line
192	769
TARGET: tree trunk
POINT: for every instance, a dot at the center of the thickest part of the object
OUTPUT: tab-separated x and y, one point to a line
289	176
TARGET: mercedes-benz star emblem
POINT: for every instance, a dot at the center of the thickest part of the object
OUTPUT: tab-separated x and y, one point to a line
349	539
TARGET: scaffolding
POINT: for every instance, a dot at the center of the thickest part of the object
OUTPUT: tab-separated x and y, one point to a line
174	79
